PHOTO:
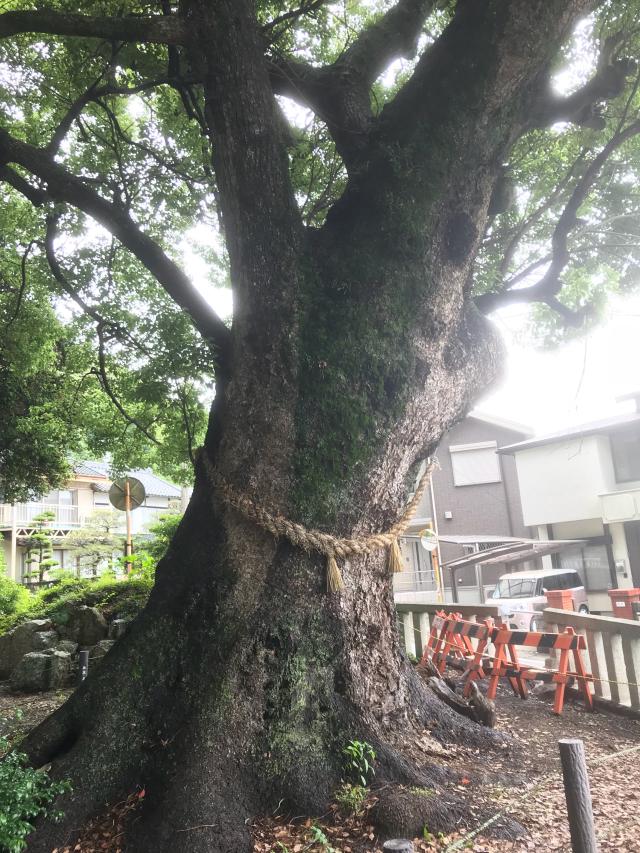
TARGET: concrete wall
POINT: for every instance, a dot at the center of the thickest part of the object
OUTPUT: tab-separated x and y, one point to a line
492	509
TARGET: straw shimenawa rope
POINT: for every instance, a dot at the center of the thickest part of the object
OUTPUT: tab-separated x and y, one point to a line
315	540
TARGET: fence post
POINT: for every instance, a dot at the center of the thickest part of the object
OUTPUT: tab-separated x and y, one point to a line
83	665
578	796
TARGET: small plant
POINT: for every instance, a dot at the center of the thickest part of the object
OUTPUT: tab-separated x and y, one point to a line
424	792
360	756
25	794
427	836
317	836
412	658
350	797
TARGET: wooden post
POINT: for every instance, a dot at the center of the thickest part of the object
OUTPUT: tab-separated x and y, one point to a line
578	796
128	548
399	845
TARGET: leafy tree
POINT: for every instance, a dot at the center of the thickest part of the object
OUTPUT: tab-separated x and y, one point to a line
97	542
39	547
429	174
162	532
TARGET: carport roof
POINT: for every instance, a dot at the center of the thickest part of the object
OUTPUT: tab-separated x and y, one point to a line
515	551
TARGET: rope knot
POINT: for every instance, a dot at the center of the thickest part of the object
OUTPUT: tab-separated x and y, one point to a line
315	540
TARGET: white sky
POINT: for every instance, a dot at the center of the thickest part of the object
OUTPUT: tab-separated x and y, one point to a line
547	390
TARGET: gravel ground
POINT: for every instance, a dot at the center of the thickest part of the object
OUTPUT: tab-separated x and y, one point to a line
612	745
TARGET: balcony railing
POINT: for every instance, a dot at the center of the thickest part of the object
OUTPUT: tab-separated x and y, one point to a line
65	515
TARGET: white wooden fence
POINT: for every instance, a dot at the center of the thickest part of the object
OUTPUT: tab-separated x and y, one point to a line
613	645
614	653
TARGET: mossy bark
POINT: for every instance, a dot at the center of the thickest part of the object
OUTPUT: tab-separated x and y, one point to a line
354	347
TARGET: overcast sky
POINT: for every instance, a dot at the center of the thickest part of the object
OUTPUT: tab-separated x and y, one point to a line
578	382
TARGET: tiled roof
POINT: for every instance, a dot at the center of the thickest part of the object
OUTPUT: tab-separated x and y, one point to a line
153	485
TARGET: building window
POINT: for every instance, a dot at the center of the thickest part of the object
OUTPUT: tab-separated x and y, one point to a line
625	449
473	464
592	563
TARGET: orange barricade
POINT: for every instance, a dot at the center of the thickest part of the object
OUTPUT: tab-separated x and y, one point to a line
506	664
452	636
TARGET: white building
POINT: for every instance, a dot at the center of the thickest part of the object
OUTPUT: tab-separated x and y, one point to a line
584	483
86	492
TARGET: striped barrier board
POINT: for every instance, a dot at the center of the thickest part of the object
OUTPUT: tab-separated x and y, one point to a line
452	635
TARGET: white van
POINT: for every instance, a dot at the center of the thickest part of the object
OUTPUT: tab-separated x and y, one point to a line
521	596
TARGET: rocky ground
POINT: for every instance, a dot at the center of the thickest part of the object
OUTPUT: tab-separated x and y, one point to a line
613	750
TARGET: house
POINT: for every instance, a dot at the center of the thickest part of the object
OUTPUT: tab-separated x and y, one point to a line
584	483
473	504
86	492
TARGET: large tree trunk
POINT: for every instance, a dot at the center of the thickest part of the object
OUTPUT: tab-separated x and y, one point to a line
354	348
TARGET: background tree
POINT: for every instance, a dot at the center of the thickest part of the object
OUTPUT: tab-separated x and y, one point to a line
98	542
162	532
39	547
358	336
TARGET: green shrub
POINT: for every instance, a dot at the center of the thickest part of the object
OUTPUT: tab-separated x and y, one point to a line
25	794
14	598
115	599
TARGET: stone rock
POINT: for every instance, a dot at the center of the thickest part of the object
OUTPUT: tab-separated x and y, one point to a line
60	671
44	640
17	643
85	626
39	671
100	649
118	628
67	646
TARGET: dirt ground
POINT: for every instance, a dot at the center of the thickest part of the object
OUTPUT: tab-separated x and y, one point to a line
612	745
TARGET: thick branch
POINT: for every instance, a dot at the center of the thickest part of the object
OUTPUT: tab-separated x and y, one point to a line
65	187
581	107
36	196
340	94
160	29
549	286
394	35
487	56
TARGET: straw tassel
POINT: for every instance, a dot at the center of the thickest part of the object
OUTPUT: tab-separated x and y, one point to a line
395	557
334	578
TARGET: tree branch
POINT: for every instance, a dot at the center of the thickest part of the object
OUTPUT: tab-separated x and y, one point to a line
394	35
101	373
340	94
160	29
92	95
65	187
582	106
36	196
114	328
549	286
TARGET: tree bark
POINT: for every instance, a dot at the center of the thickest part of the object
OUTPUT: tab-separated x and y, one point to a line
353	348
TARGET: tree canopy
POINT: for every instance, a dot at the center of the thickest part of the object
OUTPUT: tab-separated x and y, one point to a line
111	229
381	176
